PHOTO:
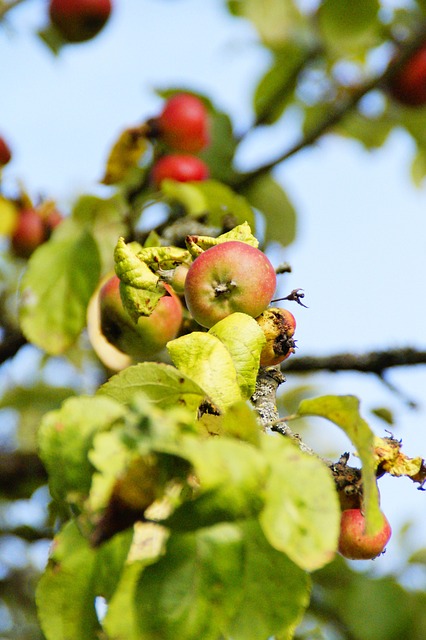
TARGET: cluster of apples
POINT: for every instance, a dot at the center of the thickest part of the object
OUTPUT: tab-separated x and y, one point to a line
182	128
229	277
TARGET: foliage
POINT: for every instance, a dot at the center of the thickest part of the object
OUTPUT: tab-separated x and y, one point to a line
177	500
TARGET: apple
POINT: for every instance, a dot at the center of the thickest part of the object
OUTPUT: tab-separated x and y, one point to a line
183	124
180	167
150	334
354	543
29	233
408	84
79	20
175	277
5	152
279	326
231	276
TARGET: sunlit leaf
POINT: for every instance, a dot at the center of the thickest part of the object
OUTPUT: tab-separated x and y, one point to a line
56	290
244	340
301	516
203	357
211	198
344	412
66	436
162	384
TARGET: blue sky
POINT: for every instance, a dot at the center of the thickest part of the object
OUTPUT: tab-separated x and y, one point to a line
360	252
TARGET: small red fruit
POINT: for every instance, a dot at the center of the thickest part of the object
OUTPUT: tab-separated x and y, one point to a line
180	167
354	543
29	233
408	85
79	20
279	326
150	334
231	276
5	152
183	123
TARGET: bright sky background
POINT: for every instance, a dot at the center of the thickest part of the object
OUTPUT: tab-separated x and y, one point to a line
360	254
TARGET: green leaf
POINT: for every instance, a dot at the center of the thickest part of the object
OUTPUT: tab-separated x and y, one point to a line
219	154
275	591
275	21
65	438
231	475
32	403
301	515
115	623
65	598
343	22
203	357
162	384
194	589
105	219
265	194
62	274
371	132
209	197
344	412
139	285
276	87
75	575
244	339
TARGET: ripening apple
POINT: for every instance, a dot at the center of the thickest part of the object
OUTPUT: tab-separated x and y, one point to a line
79	20
354	543
150	334
279	326
408	84
183	124
5	152
231	276
182	167
29	233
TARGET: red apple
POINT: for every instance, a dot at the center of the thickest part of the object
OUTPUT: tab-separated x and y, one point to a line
354	543
231	276
279	326
180	167
29	233
150	334
79	20
183	123
408	85
5	152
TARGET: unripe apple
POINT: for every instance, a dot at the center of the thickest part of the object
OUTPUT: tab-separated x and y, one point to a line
5	152
150	334
183	124
29	233
180	167
354	543
79	20
231	276
279	326
408	85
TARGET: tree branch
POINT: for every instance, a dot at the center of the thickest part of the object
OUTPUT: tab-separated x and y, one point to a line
376	362
340	110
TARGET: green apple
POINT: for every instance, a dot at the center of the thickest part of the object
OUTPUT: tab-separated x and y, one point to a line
231	276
